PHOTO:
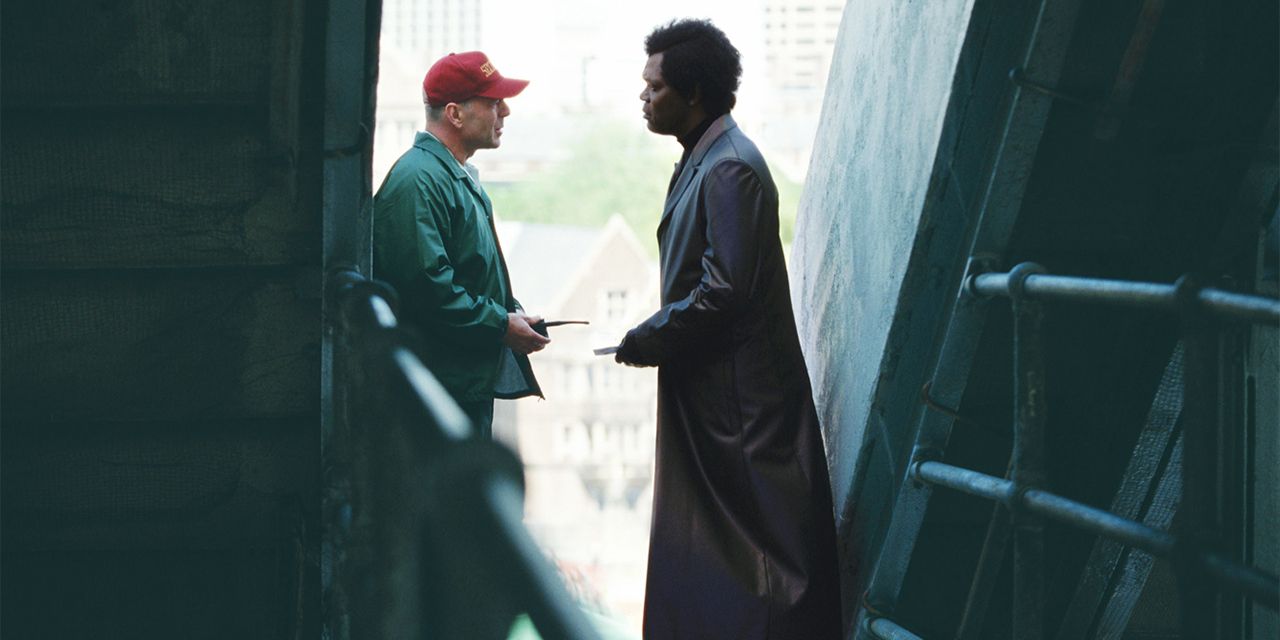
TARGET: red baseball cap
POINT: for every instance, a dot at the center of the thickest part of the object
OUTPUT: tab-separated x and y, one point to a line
461	76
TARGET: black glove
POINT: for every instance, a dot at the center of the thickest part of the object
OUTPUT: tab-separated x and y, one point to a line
629	353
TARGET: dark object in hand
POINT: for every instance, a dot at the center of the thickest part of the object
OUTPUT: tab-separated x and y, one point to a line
542	326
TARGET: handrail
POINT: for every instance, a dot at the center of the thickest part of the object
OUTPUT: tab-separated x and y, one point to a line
886	629
1257	584
1198	564
434	508
1227	304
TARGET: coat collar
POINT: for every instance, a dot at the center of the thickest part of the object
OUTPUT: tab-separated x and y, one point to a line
690	167
432	145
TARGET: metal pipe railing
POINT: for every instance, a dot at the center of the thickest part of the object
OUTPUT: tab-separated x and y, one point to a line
886	629
1224	304
1198	562
435	508
1262	586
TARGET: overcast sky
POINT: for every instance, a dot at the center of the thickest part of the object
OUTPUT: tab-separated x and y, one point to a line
577	51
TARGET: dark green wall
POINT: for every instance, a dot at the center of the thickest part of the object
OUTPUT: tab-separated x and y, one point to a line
160	256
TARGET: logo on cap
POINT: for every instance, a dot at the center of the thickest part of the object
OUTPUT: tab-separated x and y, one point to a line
487	69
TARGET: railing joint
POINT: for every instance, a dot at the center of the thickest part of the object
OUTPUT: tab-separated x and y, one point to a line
1186	295
920	456
977	265
874	610
1018	279
1017	502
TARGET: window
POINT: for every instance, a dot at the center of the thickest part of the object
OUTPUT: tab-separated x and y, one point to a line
615	305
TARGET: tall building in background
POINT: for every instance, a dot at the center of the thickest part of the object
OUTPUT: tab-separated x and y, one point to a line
800	36
428	29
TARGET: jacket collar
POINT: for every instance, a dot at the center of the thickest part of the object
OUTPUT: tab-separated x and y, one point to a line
427	142
431	144
690	167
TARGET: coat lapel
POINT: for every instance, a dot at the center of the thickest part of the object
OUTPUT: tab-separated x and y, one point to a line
691	166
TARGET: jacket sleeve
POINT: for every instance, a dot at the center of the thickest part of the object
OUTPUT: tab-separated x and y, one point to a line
738	210
473	317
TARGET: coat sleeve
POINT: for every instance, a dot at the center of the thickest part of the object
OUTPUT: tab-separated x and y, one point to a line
738	209
473	317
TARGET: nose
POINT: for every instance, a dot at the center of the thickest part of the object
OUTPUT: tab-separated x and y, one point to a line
644	94
503	109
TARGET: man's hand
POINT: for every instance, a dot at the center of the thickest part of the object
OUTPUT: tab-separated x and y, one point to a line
520	336
629	354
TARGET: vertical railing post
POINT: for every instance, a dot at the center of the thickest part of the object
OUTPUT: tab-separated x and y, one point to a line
1028	455
1197	512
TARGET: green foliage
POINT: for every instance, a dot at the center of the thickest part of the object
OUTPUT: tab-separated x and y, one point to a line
788	204
614	167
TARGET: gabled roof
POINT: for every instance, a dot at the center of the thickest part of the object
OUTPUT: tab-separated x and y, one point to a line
542	258
548	261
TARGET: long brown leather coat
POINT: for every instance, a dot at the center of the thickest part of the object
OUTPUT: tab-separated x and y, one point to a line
743	540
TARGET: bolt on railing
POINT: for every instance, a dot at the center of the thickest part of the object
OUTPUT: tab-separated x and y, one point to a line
1197	565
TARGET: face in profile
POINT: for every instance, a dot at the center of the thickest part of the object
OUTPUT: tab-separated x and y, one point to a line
665	110
482	122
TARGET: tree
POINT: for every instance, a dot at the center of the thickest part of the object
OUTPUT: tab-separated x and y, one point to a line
615	167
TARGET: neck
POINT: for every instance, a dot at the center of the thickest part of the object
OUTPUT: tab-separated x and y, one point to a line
449	138
691	134
696	118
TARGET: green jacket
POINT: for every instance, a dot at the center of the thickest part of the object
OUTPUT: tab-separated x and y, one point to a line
434	241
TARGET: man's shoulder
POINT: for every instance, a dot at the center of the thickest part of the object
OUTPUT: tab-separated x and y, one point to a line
422	162
416	170
734	147
734	142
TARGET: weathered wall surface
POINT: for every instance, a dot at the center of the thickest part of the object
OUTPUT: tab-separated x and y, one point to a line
881	122
161	319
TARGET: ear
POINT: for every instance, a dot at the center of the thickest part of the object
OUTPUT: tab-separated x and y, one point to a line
453	114
696	98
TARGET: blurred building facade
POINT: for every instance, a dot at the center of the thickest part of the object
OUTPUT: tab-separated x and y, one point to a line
588	447
800	36
428	29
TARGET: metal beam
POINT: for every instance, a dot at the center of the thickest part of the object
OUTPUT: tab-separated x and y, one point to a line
1014	153
1028	468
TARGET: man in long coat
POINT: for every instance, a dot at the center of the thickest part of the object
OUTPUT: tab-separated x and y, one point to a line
743	539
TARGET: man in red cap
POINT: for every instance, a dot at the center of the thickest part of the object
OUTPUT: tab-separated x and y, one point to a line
434	241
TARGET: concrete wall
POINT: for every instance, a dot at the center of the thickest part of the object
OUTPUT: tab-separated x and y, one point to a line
881	124
160	182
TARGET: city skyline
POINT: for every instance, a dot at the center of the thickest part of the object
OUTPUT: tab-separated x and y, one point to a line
584	60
